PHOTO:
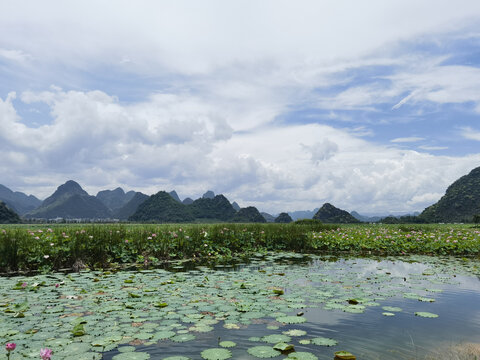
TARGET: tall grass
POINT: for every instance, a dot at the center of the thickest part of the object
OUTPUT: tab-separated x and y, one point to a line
34	247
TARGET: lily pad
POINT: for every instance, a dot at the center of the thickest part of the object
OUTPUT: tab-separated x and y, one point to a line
291	319
323	341
295	332
426	314
276	338
216	354
132	356
227	344
263	352
302	355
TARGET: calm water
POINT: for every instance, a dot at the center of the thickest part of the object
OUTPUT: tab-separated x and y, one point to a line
449	289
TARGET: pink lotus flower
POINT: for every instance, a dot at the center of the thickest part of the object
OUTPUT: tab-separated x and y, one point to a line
46	353
10	346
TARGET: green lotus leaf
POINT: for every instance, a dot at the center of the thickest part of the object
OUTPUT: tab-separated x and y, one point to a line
227	344
132	356
302	355
263	352
216	354
426	314
295	332
276	338
283	347
344	355
388	314
322	341
291	319
165	334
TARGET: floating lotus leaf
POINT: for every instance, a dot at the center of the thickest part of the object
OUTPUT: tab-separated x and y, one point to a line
276	338
388	314
302	355
291	319
216	354
132	356
231	326
263	352
295	332
344	355
227	344
283	347
76	348
426	314
322	341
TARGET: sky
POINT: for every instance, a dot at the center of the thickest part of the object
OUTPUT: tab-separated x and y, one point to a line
283	105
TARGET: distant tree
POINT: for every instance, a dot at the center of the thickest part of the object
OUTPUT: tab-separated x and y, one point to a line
476	219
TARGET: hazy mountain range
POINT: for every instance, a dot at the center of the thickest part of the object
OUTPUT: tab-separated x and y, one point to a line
459	204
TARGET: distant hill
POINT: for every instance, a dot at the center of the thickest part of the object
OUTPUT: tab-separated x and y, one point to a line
187	201
218	208
270	218
283	218
174	195
208	195
302	214
235	206
249	214
115	199
18	201
365	218
130	207
330	214
70	201
161	207
460	202
8	216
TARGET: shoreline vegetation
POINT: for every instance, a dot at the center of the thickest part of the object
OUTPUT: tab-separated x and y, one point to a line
47	248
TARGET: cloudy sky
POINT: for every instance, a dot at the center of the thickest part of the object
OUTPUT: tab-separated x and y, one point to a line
372	106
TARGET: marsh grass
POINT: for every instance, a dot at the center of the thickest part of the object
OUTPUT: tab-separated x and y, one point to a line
43	248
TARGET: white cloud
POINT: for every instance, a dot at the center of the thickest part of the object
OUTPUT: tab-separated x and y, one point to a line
470	134
432	148
407	139
14	55
224	73
184	143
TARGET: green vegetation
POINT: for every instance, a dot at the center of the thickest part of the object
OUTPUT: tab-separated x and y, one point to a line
460	203
8	216
248	214
283	218
29	247
163	208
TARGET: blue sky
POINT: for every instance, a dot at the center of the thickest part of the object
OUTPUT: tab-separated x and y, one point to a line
281	105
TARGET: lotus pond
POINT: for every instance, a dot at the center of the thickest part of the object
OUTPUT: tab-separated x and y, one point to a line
413	307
